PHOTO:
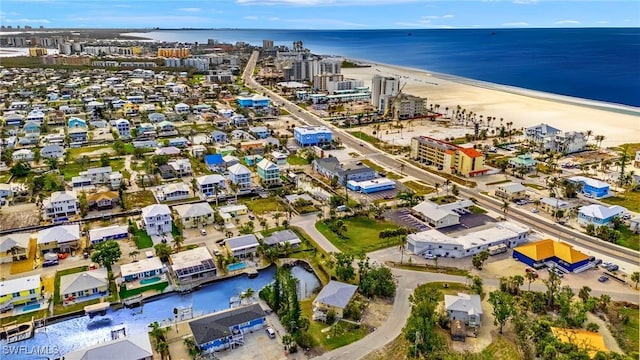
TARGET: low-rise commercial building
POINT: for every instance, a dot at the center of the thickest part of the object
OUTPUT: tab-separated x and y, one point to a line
440	216
448	157
552	253
312	135
598	215
511	191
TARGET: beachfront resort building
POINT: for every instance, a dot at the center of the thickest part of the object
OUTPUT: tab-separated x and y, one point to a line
435	243
448	157
20	291
312	135
383	88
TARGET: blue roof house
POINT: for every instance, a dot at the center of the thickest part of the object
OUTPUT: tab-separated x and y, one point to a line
255	101
214	162
593	187
312	135
75	122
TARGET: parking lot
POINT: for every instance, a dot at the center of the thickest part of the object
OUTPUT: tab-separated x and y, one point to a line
468	221
404	218
257	346
380	195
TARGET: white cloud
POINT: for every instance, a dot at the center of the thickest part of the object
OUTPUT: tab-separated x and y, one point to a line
564	22
525	2
250	17
321	2
190	9
27	21
140	20
516	23
124	6
273	19
448	16
435	17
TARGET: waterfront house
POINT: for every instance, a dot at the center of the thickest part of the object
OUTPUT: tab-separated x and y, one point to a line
242	246
60	206
334	296
464	307
195	215
173	192
52	152
14	247
103	200
62	238
208	183
240	175
113	232
599	215
20	291
226	329
214	162
124	128
511	191
144	268
179	142
282	237
312	135
135	346
194	264
156	219
84	286
592	187
22	155
268	172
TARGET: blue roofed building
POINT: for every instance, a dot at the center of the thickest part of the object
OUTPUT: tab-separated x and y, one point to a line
255	101
371	186
214	162
592	187
312	135
225	329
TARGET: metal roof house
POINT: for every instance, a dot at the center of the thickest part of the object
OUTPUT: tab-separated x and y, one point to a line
334	296
242	246
282	237
134	347
464	307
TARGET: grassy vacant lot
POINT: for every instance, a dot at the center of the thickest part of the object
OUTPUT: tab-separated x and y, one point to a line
142	239
380	169
418	187
630	200
297	160
628	239
366	137
361	235
75	153
260	206
139	199
73	169
534	186
4	177
428	268
627	335
345	333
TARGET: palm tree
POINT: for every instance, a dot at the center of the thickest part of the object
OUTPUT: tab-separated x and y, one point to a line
277	216
178	240
447	182
193	348
134	254
437	187
505	208
584	293
635	277
588	133
531	277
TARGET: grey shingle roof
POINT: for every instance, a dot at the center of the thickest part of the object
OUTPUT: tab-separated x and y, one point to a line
282	236
336	294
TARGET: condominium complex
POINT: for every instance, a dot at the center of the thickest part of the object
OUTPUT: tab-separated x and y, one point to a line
409	106
382	88
174	52
449	158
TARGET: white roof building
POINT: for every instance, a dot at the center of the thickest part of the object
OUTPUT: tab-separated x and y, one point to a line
193	210
60	234
142	266
155	210
20	284
133	347
83	281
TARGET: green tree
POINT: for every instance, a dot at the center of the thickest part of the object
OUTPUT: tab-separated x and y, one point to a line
420	330
584	293
118	147
20	169
635	277
106	253
344	266
502	307
531	277
104	160
83	204
163	251
192	348
553	285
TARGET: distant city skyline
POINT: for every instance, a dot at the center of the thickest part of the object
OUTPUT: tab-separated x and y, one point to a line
319	14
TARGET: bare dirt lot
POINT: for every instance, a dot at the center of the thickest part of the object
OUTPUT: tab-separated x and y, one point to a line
377	312
17	216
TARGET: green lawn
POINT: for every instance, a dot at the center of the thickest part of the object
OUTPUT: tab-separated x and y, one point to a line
159	287
297	160
627	335
260	206
628	239
5	177
428	268
139	199
59	308
630	200
75	153
72	169
394	176
341	334
446	199
477	210
446	288
534	186
419	188
142	239
372	165
361	235
366	137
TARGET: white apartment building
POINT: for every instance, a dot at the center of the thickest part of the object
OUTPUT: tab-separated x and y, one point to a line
156	219
382	88
61	204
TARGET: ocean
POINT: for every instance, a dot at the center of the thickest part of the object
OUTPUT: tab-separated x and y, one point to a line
591	63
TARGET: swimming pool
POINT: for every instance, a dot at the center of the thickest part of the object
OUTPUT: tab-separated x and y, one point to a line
236	266
150	280
30	307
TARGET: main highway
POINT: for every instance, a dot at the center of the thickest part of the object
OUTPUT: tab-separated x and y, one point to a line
389	161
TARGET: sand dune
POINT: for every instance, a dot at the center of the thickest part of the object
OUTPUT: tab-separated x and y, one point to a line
618	123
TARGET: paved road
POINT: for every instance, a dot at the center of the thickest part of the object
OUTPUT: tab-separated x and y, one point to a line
307	223
394	162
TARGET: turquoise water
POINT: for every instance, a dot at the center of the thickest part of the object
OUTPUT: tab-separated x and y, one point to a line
30	307
149	280
236	266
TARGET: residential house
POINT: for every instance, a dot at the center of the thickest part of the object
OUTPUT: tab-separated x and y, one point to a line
31	128
219	136
239	120
252	160
60	205
146	130
6	192
144	268
98	175
195	215
511	191
279	158
155	118
84	286
448	157
549	138
255	101
214	162
179	142
81	183
103	200
63	238
181	167
135	346
13	119
268	172
233	210
230	160
464	307
334	296
124	128
260	132
240	175
198	151
145	144
22	155
281	238
167	172
312	135
551	205
207	184
226	329
156	219
78	135
194	264
52	152
55	118
181	108
173	192
20	291
14	247
115	180
168	151
331	167
541	134
592	187
75	122
113	232
523	161
242	246
36	116
599	215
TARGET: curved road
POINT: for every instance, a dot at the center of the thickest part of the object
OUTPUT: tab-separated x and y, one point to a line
407	280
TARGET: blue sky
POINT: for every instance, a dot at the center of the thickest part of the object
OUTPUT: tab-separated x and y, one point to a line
320	14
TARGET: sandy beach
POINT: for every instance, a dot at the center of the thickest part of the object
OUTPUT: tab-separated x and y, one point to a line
618	123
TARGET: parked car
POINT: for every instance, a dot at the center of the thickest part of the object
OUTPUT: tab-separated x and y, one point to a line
598	262
603	278
50	263
535	211
429	256
588	195
203	232
271	333
606	264
613	267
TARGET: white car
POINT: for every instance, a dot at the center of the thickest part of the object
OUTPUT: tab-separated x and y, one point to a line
429	256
